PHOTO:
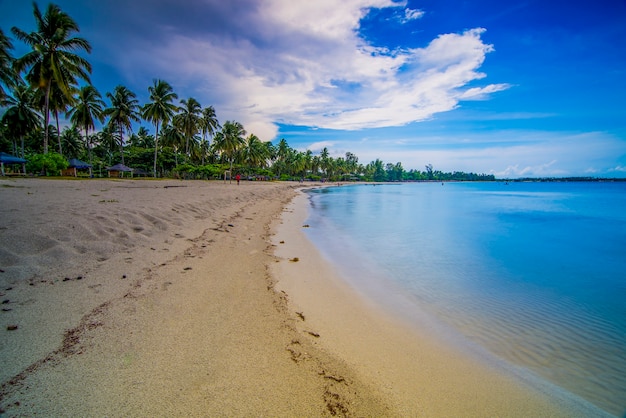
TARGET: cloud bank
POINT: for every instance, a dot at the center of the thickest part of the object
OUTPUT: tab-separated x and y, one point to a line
300	63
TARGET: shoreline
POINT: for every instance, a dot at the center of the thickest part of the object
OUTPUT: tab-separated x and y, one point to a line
417	368
170	297
153	298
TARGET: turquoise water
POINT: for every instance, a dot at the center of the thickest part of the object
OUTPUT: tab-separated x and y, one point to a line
534	273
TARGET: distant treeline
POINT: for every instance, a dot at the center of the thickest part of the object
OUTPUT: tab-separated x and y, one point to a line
564	179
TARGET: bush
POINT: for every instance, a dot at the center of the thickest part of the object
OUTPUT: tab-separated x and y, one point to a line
49	164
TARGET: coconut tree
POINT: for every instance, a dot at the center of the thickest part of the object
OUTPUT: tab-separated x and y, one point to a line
142	139
123	112
188	120
229	140
107	140
159	111
72	143
88	108
7	75
255	153
21	116
173	137
58	102
52	58
208	125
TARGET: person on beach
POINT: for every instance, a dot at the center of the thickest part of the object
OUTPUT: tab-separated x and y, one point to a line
238	177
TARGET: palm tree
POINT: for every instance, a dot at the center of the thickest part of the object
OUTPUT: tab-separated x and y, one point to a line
325	161
89	106
173	137
123	111
52	58
160	110
142	139
208	125
7	75
71	141
58	102
21	116
229	140
255	153
188	120
107	140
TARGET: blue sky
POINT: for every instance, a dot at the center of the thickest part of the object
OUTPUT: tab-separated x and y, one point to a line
530	88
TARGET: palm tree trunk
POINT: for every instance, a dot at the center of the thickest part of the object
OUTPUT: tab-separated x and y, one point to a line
56	116
88	145
156	147
47	118
122	144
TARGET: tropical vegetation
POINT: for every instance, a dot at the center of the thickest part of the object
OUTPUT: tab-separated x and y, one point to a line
188	141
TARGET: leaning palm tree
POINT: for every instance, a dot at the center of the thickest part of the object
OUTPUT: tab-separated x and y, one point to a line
229	140
52	58
21	116
160	111
7	75
87	108
123	112
188	120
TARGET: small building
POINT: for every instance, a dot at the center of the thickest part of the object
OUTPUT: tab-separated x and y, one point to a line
8	159
118	170
75	165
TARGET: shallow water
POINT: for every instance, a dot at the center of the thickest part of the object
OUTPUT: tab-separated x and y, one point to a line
533	272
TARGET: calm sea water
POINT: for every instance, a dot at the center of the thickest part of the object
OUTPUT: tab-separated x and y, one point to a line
535	273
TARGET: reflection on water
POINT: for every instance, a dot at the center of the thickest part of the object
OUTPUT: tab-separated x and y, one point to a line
534	272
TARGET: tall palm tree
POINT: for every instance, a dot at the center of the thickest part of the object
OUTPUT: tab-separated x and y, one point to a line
229	140
255	153
52	58
21	116
188	120
58	102
7	75
208	125
160	110
173	137
107	140
87	109
71	142
123	112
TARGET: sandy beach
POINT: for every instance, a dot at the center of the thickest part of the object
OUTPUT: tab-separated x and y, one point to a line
196	298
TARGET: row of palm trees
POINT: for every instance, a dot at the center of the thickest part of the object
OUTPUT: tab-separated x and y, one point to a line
45	81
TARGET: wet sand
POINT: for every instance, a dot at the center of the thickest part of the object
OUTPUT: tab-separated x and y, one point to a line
419	372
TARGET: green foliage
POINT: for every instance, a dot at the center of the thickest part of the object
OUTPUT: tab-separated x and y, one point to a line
49	164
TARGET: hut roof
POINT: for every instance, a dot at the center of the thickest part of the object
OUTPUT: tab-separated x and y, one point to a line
119	167
76	163
10	159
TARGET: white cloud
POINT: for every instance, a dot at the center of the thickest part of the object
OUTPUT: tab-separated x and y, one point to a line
412	14
318	146
303	63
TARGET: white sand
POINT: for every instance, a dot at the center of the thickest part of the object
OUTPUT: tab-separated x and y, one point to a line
174	315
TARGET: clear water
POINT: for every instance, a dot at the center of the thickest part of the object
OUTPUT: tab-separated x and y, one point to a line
533	272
